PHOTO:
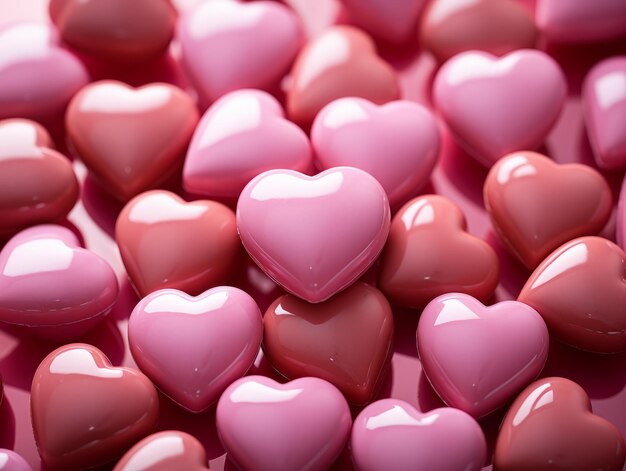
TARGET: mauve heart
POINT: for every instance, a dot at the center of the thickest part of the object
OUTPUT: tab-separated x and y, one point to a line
550	426
391	434
168	243
264	425
230	45
429	253
132	140
333	65
243	134
478	357
495	106
52	285
580	292
346	340
604	105
222	329
37	184
314	235
11	461
85	412
536	205
397	143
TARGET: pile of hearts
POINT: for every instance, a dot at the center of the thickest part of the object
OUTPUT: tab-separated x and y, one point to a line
292	154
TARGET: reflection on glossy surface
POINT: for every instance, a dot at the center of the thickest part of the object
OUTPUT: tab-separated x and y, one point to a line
20	136
303	424
550	426
11	461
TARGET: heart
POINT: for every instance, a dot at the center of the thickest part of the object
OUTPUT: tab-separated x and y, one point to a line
51	285
37	184
243	134
429	253
165	450
536	205
37	77
222	329
604	105
296	228
303	424
449	27
580	292
297	340
168	243
11	461
229	45
391	434
132	140
332	66
476	357
115	29
397	143
550	426
495	106
86	412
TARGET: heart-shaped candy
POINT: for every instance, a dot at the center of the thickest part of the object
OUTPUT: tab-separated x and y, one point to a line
297	228
86	412
264	425
168	243
429	253
52	285
391	434
604	104
333	65
243	134
11	461
550	426
132	140
495	106
397	143
297	340
222	329
536	205
478	357
580	292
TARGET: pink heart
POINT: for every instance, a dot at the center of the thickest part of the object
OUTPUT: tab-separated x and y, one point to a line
264	425
242	135
604	104
228	45
391	434
477	358
496	106
221	331
396	143
52	285
314	235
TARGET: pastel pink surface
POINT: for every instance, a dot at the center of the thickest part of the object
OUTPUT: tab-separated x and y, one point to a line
11	461
265	425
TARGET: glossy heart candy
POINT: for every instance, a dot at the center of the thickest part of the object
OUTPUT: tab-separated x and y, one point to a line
168	243
346	340
131	139
391	434
429	253
86	412
243	134
580	292
314	235
303	424
11	461
52	285
551	426
397	143
37	184
333	65
229	45
222	331
479	357
495	106
536	205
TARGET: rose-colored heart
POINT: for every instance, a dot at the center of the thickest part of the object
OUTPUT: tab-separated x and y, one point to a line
11	461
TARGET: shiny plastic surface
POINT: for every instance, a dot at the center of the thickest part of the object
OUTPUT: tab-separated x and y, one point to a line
11	461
